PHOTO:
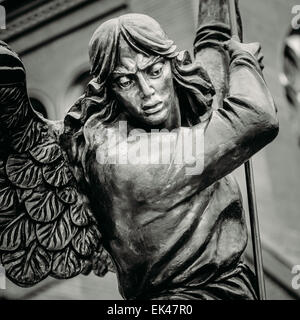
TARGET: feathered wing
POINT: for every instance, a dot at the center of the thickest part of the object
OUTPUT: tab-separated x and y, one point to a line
46	225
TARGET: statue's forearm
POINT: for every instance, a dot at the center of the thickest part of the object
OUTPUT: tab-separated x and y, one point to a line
213	10
213	29
247	84
216	12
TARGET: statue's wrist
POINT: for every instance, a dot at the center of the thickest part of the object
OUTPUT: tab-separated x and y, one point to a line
244	57
211	35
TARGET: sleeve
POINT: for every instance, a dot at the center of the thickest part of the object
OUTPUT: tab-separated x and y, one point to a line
211	35
232	134
213	30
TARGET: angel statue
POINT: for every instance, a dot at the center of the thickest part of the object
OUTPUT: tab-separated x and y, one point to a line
67	207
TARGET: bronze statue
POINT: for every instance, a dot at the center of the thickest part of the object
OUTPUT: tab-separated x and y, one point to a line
66	205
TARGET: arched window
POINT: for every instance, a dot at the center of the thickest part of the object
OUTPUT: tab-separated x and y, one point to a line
291	69
75	90
39	107
82	80
290	79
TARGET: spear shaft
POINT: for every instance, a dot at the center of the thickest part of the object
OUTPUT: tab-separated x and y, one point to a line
255	235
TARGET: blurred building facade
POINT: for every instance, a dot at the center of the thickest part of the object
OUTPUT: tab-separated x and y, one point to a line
52	39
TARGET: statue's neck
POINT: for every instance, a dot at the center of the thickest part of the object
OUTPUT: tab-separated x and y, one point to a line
174	119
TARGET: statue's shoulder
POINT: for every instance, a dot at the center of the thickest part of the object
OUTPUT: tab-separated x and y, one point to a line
98	132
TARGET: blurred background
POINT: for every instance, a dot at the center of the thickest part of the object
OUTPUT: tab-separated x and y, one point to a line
52	39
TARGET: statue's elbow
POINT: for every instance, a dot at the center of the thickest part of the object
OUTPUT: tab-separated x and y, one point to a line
271	126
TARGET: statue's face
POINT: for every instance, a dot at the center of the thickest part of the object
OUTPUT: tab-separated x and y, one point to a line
144	86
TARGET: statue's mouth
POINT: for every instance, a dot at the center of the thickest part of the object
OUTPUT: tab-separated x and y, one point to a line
153	108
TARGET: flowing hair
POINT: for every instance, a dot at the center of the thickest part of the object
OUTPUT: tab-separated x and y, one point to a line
191	82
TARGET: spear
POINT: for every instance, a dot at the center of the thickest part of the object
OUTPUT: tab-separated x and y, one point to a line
255	235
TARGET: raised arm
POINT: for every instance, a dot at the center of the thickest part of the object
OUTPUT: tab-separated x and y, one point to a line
244	124
243	119
212	31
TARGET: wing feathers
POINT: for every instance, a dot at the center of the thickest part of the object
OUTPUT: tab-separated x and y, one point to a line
23	172
46	152
29	266
80	214
44	206
56	235
46	225
66	264
57	175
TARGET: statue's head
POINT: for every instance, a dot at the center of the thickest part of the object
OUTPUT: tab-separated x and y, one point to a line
143	85
131	56
136	70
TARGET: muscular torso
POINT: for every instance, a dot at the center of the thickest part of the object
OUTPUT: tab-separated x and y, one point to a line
160	228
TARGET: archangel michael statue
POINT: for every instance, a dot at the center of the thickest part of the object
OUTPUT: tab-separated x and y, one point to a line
167	234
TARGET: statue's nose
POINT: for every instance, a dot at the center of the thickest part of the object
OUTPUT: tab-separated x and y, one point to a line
145	87
11	68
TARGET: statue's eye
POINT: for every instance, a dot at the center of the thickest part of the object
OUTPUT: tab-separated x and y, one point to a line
156	70
124	82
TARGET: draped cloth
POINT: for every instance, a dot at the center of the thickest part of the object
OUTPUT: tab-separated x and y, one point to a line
235	284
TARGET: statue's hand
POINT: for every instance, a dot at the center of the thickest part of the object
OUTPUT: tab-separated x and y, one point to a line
253	48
